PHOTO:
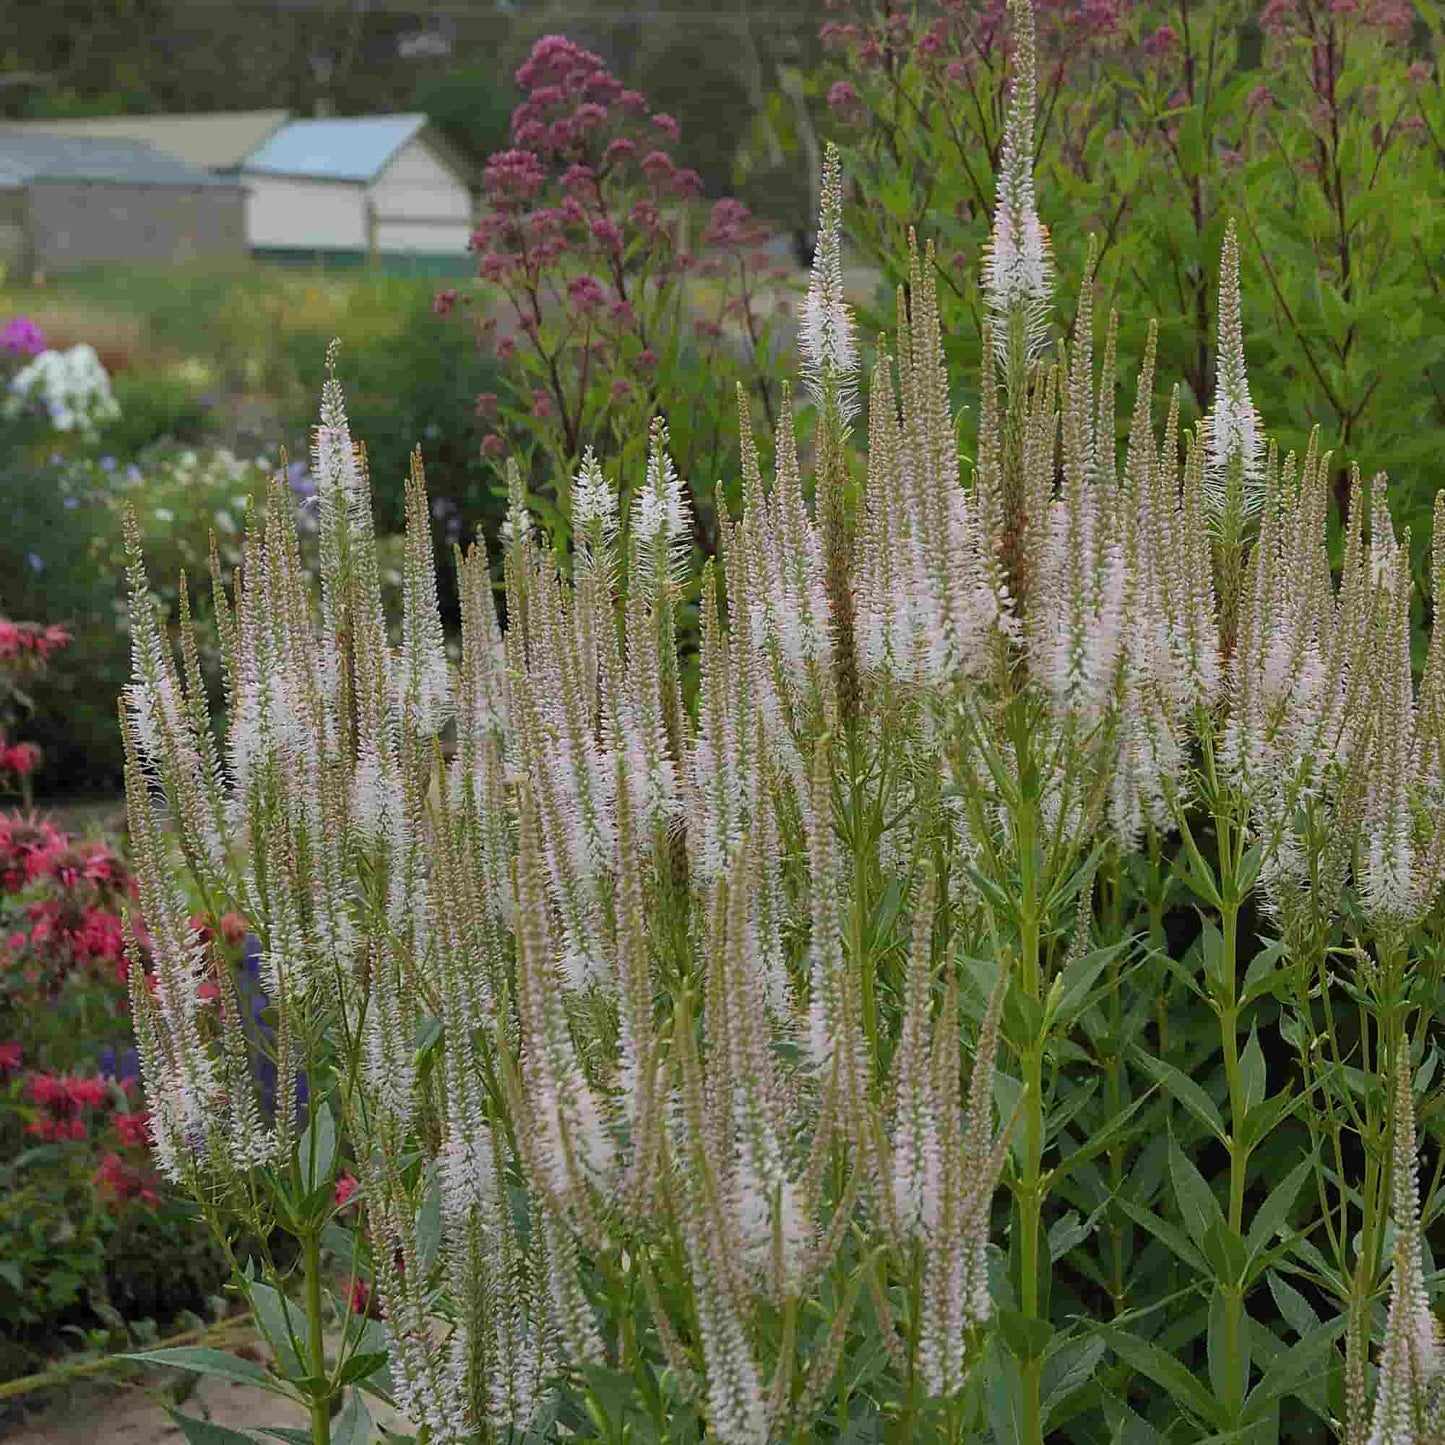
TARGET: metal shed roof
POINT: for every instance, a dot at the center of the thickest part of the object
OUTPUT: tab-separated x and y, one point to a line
340	149
216	141
27	158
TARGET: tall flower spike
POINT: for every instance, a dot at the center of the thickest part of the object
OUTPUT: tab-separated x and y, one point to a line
1409	1405
1235	467
830	353
1017	268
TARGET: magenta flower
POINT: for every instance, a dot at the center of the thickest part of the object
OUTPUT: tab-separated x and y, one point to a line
667	125
22	337
607	233
1162	42
584	294
844	102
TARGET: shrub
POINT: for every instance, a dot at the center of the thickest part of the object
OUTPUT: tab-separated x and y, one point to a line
611	308
77	1191
1077	830
1315	126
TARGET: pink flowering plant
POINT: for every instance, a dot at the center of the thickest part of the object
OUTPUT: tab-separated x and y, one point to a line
609	288
1316	124
77	1182
25	649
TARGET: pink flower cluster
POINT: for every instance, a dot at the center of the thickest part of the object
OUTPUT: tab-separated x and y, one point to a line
75	922
63	1100
1310	18
29	640
582	232
576	136
20	336
966	33
19	759
119	1180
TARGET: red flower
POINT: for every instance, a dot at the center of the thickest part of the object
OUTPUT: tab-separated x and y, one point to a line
22	759
121	1181
233	928
346	1186
133	1128
10	1055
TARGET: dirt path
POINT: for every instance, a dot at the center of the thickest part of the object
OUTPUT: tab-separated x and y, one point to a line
92	1412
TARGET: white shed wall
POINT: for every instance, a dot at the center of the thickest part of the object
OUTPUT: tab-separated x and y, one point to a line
293	213
420	205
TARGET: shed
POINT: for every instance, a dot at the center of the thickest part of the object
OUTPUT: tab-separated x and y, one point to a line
377	185
215	141
72	201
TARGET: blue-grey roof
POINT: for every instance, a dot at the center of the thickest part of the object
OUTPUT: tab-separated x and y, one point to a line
27	158
352	149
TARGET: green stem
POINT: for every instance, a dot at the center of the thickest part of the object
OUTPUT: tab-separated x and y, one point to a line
1031	1189
320	1402
1230	850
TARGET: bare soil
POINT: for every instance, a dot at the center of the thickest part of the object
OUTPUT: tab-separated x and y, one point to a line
96	1412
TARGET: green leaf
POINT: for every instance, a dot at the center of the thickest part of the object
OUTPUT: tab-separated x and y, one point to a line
201	1361
1227	1374
13	1275
1262	1120
1078	980
1166	1233
429	1228
360	1367
1263	975
1224	1250
1272	1217
353	1425
282	1324
540	1429
202	1432
1298	1312
1251	1071
1197	1204
1101	1140
1185	1090
1167	1372
318	1148
1027	1338
1299	1367
1069	1367
1066	1232
284	1432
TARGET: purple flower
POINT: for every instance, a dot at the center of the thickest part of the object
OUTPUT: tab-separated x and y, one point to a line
667	125
298	478
1162	41
606	232
843	101
585	294
22	337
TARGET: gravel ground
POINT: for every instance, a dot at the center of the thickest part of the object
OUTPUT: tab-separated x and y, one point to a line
96	1413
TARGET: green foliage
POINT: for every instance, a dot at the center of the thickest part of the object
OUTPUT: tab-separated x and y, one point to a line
52	1235
1321	139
